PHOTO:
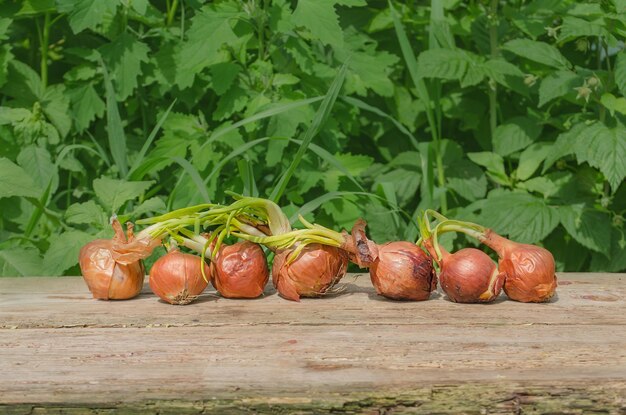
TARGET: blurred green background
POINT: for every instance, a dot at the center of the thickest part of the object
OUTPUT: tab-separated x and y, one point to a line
507	113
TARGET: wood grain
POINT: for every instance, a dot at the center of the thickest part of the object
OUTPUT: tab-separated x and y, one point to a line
352	352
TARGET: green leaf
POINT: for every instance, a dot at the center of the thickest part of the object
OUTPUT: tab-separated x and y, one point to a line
211	27
123	57
346	165
325	25
449	64
493	163
234	100
405	183
536	51
368	68
223	75
146	145
86	105
114	193
467	180
15	181
620	72
13	115
574	27
195	177
115	130
564	145
613	103
87	14
86	213
590	227
318	122
613	260
531	159
605	149
5	57
515	134
64	250
523	217
367	107
38	163
506	74
154	205
16	262
556	85
56	105
411	64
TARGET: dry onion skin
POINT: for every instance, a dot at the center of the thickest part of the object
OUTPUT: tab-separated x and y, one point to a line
112	268
240	270
313	273
529	269
177	277
403	271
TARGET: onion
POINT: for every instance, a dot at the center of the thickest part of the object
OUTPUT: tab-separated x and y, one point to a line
112	268
177	277
240	270
314	272
402	271
470	276
529	269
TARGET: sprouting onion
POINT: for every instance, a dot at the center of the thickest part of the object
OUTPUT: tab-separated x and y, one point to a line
529	270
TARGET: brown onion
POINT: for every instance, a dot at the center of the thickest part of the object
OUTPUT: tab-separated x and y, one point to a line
240	270
177	277
112	268
312	274
470	276
529	269
403	271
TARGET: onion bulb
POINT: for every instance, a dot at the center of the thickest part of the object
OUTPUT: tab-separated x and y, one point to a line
470	276
529	269
112	268
177	277
403	271
240	270
314	272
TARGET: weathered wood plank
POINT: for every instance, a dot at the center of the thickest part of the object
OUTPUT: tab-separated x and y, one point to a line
62	352
65	302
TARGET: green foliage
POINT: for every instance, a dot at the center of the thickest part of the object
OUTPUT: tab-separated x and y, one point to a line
511	114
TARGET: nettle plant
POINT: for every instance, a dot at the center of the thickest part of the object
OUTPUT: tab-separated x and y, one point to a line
507	113
530	122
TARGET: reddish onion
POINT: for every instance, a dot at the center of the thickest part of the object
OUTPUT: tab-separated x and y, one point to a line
529	269
240	270
403	271
470	276
112	268
177	277
312	273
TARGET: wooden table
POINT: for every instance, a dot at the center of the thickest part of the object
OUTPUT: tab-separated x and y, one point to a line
353	352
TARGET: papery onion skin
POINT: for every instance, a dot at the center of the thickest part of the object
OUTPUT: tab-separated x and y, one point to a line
312	274
470	276
177	278
112	268
240	270
403	271
106	278
529	269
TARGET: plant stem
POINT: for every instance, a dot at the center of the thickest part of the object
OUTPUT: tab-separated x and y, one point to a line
171	11
493	89
45	37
